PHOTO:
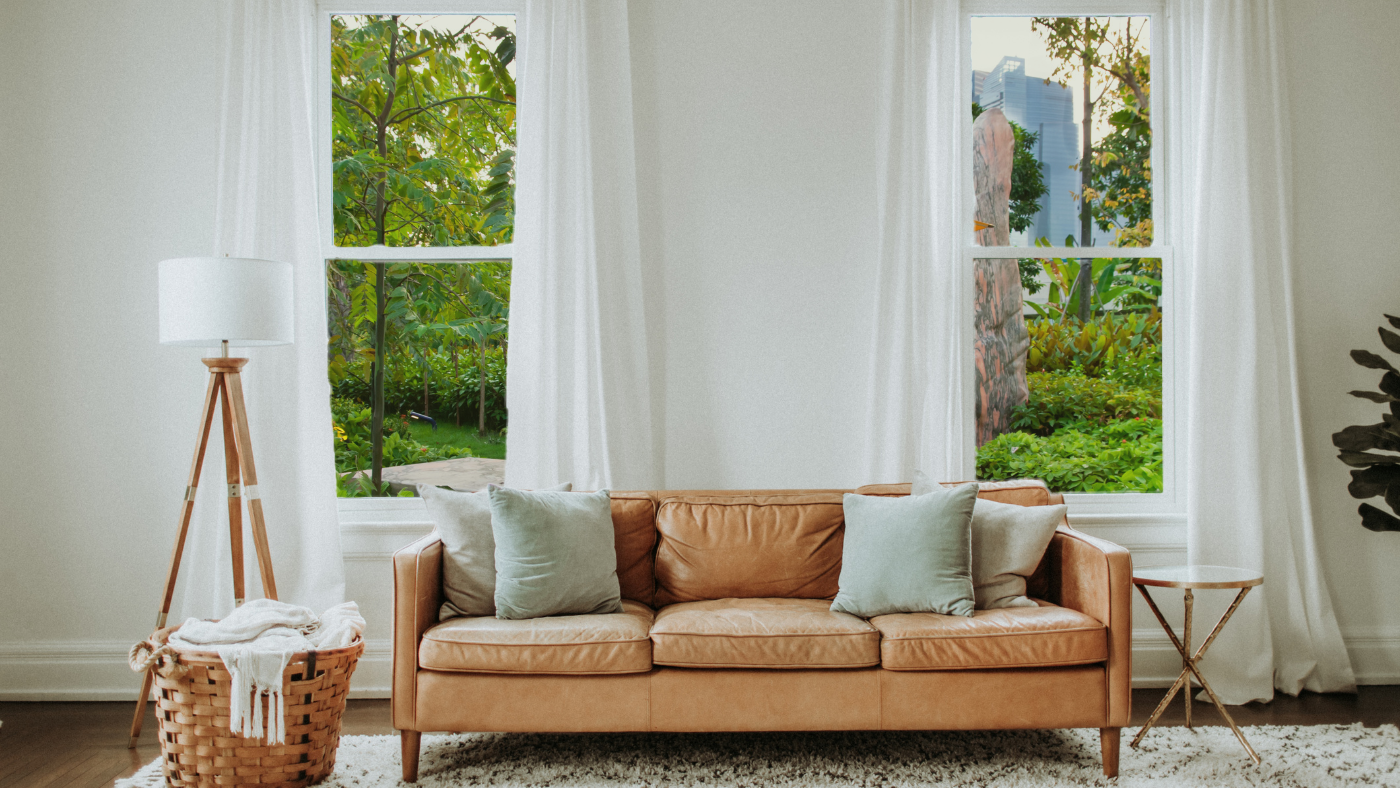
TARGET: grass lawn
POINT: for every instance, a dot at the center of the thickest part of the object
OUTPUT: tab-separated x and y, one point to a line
493	446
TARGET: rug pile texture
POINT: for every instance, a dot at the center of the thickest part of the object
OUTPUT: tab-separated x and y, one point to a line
1319	756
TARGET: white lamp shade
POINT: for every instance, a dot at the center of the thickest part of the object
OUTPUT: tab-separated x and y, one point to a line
208	300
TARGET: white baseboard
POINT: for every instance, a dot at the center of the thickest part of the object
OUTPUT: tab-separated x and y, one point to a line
97	670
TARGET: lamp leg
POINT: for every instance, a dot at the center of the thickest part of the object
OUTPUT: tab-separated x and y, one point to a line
232	474
206	419
233	384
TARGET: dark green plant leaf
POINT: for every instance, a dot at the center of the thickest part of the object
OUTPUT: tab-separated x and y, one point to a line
1373	481
1391	340
1363	437
1390	384
1373	519
1394	321
1370	360
1360	459
1374	396
1392	498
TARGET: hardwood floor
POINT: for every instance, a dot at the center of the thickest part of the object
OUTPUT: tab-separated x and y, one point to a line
83	745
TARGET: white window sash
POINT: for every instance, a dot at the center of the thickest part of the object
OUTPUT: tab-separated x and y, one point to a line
1120	509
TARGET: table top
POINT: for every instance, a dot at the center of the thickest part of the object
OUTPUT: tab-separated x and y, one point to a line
1196	576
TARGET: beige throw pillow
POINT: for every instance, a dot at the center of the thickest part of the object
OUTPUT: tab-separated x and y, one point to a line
463	522
1008	542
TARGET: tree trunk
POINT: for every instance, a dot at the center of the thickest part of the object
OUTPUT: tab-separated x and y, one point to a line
381	285
481	393
1084	285
425	391
376	421
1000	327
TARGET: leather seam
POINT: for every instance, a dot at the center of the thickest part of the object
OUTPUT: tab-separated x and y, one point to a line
764	637
747	665
999	634
541	645
629	671
1037	664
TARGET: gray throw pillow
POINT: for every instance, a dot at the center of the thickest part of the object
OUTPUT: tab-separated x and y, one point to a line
1008	542
907	555
463	521
554	553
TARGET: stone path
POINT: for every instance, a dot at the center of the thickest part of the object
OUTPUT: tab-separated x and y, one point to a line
467	474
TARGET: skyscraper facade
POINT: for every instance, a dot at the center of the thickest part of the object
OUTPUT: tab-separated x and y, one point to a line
1046	110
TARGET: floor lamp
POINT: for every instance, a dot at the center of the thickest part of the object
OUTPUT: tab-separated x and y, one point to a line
225	302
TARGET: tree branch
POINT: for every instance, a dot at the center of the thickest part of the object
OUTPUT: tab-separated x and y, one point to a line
354	103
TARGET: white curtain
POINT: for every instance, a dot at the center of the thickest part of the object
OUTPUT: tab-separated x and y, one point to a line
267	207
1247	486
919	392
579	393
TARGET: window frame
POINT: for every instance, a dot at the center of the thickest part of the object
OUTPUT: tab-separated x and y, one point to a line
1120	509
376	513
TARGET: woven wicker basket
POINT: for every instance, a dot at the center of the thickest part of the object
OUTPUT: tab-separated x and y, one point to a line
197	747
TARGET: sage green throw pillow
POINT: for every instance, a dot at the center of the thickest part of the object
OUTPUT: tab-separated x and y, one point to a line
907	555
1008	542
463	521
554	553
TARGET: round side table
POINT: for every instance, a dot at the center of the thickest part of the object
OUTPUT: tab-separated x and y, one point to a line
1190	578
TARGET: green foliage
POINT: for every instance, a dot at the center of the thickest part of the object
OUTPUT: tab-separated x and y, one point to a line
453	394
1123	456
1060	400
492	445
423	131
1105	342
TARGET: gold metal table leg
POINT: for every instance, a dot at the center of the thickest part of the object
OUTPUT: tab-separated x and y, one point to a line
1190	668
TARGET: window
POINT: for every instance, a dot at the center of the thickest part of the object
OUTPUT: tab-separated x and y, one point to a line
418	183
1072	347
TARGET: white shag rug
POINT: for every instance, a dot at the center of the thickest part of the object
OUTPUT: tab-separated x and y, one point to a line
1317	756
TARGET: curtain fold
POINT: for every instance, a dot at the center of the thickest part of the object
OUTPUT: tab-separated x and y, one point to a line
579	395
266	206
1247	486
919	389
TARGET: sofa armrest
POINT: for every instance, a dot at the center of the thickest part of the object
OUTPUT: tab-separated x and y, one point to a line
417	598
1095	577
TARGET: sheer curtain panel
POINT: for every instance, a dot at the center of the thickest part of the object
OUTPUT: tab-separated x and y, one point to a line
1247	487
266	206
919	397
579	393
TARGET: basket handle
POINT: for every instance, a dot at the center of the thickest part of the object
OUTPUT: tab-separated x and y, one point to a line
148	654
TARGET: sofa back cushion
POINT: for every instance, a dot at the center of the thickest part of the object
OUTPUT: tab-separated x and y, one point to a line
634	534
772	544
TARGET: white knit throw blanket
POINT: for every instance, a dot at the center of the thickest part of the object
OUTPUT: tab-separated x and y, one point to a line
256	641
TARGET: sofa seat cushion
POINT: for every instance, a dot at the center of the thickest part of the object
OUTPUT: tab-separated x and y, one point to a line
597	643
762	633
1013	637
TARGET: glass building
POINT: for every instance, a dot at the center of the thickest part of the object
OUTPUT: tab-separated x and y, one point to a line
1046	109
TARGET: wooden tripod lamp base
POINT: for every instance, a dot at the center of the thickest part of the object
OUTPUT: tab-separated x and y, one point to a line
201	300
226	390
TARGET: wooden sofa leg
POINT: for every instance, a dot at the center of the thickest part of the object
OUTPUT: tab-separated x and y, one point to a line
410	741
1108	738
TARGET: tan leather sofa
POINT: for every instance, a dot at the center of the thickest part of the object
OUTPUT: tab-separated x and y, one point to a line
726	627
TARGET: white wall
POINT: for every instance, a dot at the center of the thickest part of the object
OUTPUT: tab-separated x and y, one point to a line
756	131
108	149
1344	72
754	118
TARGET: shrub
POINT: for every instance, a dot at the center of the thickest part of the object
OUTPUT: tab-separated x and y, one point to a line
1141	369
1089	347
351	423
1059	400
1124	456
451	394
